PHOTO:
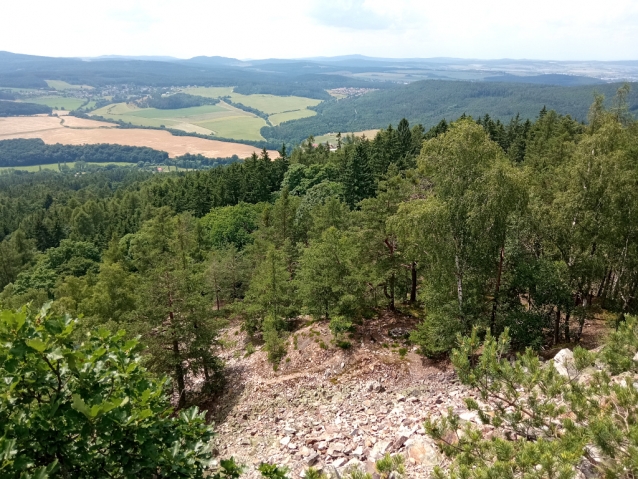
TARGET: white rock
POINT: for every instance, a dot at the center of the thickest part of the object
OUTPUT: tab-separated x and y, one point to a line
564	363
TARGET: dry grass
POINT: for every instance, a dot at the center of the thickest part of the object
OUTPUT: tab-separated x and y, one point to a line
81	132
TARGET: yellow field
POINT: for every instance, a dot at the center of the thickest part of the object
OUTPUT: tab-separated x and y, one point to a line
278	118
51	130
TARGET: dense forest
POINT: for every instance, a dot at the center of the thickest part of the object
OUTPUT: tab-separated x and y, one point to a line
25	152
14	108
178	100
526	228
427	102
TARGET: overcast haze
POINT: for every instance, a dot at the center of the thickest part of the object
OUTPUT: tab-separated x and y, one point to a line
487	29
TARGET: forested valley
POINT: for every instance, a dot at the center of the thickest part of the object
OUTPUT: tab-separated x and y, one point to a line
480	228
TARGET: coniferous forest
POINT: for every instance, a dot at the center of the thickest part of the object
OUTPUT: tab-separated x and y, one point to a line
483	229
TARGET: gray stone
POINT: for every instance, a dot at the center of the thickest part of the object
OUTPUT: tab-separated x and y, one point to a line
564	363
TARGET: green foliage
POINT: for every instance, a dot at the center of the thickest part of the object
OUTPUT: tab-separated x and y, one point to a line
273	471
390	464
274	339
88	409
547	424
339	325
312	473
229	469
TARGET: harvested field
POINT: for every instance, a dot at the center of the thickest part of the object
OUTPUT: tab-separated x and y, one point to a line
74	122
51	131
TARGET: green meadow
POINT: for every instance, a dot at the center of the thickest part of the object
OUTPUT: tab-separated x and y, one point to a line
58	102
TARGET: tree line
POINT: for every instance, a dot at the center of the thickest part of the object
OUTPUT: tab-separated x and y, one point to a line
25	152
15	108
175	101
427	102
525	226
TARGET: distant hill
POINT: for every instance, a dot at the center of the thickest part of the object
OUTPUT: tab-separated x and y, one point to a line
547	79
428	102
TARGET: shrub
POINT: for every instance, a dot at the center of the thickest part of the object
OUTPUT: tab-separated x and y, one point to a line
274	340
390	464
88	409
340	325
547	424
436	335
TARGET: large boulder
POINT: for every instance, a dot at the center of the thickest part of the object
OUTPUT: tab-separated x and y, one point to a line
423	453
564	363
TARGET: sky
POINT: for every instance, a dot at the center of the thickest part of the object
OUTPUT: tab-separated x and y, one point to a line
252	29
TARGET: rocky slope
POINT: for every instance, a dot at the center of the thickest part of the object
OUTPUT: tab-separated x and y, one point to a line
331	408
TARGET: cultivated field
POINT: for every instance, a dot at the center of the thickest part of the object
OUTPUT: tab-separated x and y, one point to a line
62	85
51	130
290	115
278	108
222	120
58	102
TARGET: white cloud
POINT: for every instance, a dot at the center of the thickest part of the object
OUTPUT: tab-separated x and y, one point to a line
544	29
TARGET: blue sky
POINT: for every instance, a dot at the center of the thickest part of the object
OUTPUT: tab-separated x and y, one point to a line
486	29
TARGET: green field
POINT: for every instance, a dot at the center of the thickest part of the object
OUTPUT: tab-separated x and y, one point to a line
290	115
239	127
210	92
271	104
54	166
62	85
58	102
221	120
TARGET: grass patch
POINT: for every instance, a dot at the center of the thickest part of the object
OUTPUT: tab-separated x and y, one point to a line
278	118
238	127
221	120
58	102
271	104
62	85
210	92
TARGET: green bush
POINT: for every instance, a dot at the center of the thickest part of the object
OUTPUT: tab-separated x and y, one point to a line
88	409
436	335
339	325
546	424
274	339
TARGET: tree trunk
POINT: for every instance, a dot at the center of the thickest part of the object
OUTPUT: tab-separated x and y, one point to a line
179	374
496	293
567	315
557	327
601	288
413	289
459	283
